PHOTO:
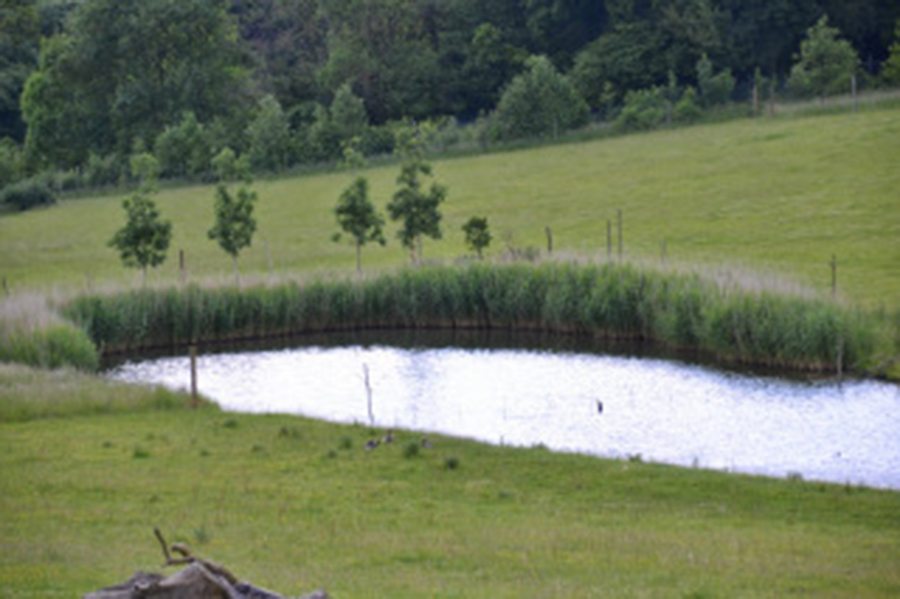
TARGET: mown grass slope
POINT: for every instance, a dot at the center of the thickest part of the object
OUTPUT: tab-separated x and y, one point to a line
777	196
293	504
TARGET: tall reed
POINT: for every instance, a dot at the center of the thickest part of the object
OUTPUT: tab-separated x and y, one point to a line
607	300
32	333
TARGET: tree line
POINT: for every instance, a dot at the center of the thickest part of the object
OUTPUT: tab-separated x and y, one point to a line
143	241
87	84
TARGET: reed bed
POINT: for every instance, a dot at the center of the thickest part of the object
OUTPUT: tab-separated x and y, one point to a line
33	333
602	300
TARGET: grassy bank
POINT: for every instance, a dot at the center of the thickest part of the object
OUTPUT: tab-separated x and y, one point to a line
775	196
293	504
613	301
30	394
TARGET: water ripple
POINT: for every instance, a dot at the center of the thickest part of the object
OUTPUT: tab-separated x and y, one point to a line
661	410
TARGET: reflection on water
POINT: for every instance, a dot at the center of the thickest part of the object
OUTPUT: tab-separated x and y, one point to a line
659	409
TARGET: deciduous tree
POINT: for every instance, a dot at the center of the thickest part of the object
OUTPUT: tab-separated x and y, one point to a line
539	102
234	222
715	88
890	71
144	239
183	148
825	63
270	136
478	235
417	208
124	69
357	217
19	32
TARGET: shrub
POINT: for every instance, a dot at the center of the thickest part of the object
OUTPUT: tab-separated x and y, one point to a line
323	141
102	170
377	140
890	69
825	63
270	136
10	162
540	102
643	109
687	110
183	149
27	194
715	88
348	114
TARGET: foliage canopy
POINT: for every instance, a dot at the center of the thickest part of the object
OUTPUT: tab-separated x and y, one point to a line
540	102
234	222
416	208
825	63
144	239
357	217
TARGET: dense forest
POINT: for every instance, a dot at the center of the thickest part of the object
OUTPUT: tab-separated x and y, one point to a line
86	83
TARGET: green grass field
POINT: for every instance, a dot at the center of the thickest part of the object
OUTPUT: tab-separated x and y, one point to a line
293	505
775	198
88	468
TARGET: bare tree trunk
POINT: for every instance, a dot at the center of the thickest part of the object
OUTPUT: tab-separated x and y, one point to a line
358	258
237	275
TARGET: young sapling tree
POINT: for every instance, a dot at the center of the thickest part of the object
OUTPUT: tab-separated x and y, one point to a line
145	237
478	236
234	221
416	208
358	218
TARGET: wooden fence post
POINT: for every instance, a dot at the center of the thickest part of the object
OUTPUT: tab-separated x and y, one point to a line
549	234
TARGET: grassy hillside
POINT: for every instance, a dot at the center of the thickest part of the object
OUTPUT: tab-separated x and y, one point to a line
777	196
293	504
89	467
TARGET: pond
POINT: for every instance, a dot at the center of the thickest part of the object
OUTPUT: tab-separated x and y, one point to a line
618	406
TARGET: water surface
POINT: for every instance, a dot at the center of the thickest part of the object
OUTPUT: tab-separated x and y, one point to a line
606	405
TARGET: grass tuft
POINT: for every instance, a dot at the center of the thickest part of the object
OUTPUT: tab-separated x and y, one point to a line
411	450
28	393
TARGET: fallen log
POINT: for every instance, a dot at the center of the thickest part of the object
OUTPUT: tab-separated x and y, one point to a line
199	579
